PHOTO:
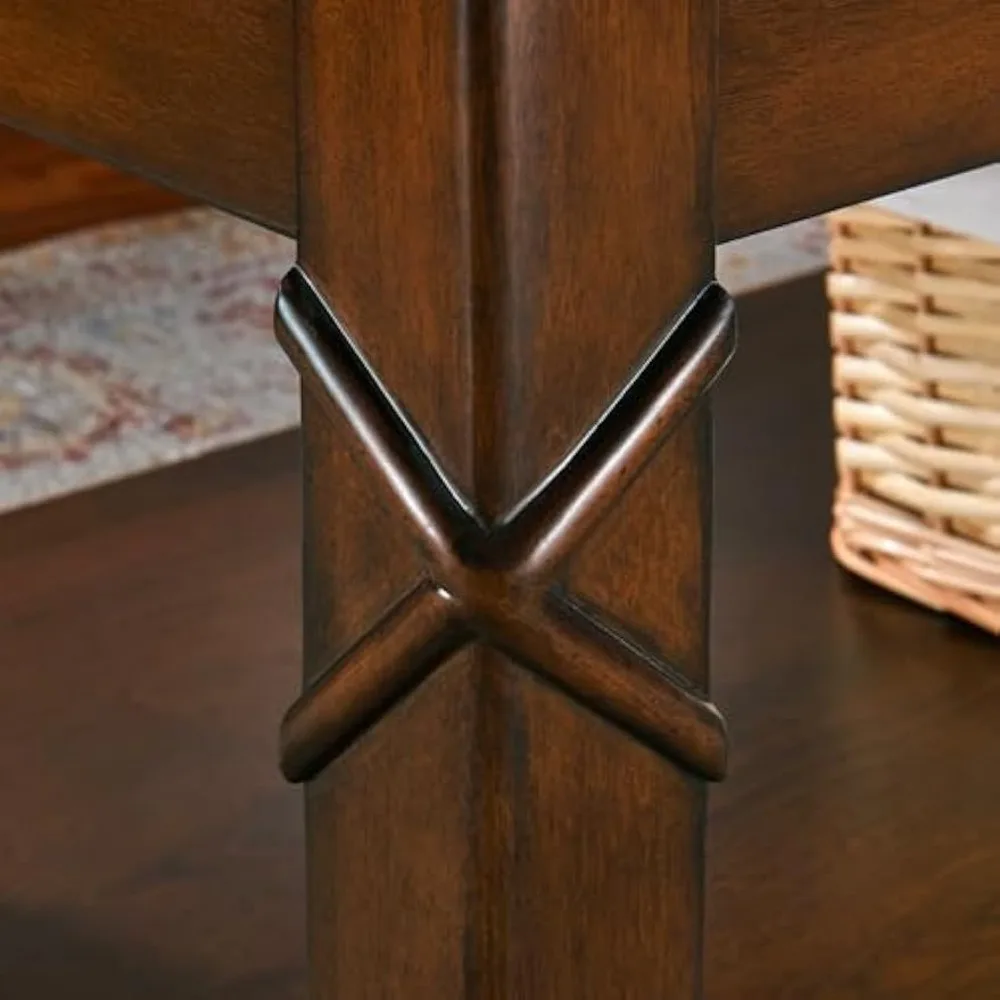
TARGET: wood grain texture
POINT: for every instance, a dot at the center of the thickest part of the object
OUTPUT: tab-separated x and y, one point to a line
854	850
197	96
505	209
45	191
149	634
822	103
825	103
501	581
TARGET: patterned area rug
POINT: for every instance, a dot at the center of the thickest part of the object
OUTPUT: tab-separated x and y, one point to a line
137	345
134	346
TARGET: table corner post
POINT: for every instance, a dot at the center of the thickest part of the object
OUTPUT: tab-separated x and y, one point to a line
506	323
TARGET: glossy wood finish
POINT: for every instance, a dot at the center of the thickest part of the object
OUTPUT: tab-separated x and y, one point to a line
148	636
502	209
854	850
503	269
500	583
45	191
197	96
201	97
826	103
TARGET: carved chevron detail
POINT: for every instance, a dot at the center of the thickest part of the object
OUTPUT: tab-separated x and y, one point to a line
500	582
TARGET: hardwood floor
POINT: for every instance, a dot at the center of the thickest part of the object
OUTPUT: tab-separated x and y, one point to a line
149	637
45	190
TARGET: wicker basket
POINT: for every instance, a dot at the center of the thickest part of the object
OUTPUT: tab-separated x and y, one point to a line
915	326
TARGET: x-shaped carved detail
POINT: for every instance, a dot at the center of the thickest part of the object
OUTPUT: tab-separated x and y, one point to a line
499	581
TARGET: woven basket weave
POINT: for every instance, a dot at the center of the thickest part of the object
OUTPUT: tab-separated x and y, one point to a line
915	327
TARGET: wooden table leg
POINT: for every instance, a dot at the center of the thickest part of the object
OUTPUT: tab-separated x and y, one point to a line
505	262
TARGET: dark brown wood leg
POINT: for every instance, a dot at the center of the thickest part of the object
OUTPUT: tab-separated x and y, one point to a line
505	322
